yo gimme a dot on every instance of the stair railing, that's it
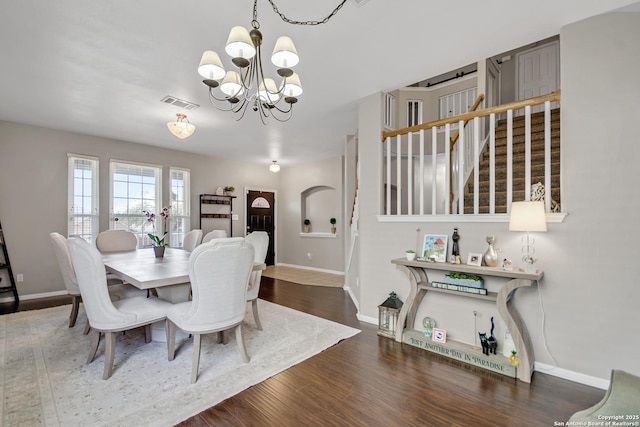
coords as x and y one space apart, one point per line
405 175
454 138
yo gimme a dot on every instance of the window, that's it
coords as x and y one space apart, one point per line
83 197
389 111
414 112
135 188
180 218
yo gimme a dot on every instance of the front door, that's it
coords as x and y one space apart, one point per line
260 217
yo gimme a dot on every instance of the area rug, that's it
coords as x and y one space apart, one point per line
304 276
44 380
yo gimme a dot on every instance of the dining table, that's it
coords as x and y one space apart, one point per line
168 275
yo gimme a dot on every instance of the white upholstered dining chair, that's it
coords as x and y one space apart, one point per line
260 242
106 317
215 234
116 241
61 250
191 240
219 273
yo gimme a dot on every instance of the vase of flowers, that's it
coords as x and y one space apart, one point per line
158 241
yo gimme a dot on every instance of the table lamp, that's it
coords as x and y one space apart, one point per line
528 217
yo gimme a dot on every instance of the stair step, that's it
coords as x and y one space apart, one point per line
501 184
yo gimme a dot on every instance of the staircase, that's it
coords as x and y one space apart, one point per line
537 163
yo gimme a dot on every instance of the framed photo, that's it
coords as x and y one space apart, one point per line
434 248
439 335
474 259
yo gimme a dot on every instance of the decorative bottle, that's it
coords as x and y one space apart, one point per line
490 256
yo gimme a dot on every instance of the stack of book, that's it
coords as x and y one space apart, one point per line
462 282
459 288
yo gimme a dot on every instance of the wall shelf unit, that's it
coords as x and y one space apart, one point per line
421 286
5 265
216 213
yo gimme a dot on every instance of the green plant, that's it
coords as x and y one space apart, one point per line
229 188
410 251
332 221
307 222
464 276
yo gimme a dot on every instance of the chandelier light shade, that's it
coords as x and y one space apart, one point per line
274 167
246 84
181 127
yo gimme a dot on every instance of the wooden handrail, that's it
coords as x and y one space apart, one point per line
552 97
474 107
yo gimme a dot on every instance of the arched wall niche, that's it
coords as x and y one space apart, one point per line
318 204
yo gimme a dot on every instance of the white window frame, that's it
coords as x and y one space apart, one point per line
389 111
414 112
83 197
144 194
180 217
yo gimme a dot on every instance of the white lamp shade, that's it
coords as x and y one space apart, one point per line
275 167
231 85
210 66
180 128
293 87
239 44
268 91
527 216
284 53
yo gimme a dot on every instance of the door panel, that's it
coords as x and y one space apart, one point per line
538 73
260 217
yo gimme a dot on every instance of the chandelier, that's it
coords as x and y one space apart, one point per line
181 127
246 85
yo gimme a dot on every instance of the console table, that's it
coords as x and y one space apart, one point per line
421 285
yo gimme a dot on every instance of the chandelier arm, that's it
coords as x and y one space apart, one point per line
212 97
291 21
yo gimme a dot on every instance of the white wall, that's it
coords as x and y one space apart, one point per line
582 316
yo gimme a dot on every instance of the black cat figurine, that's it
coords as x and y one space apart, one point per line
489 345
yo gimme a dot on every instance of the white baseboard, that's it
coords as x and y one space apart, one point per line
36 296
303 267
571 375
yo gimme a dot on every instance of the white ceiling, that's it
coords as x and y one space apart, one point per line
101 67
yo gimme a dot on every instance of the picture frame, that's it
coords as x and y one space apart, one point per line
439 335
434 248
474 259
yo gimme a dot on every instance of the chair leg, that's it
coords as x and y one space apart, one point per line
196 358
93 345
241 346
75 306
109 354
254 307
87 328
170 328
147 333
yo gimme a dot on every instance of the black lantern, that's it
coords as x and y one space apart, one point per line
388 316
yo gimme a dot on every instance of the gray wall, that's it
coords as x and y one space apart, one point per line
582 316
33 190
326 252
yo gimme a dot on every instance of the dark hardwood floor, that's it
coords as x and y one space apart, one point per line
369 380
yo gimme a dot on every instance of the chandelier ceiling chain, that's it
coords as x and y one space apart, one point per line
248 85
290 21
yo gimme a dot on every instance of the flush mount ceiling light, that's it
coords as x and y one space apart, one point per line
181 127
274 167
247 85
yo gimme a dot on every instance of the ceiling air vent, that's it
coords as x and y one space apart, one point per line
179 102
